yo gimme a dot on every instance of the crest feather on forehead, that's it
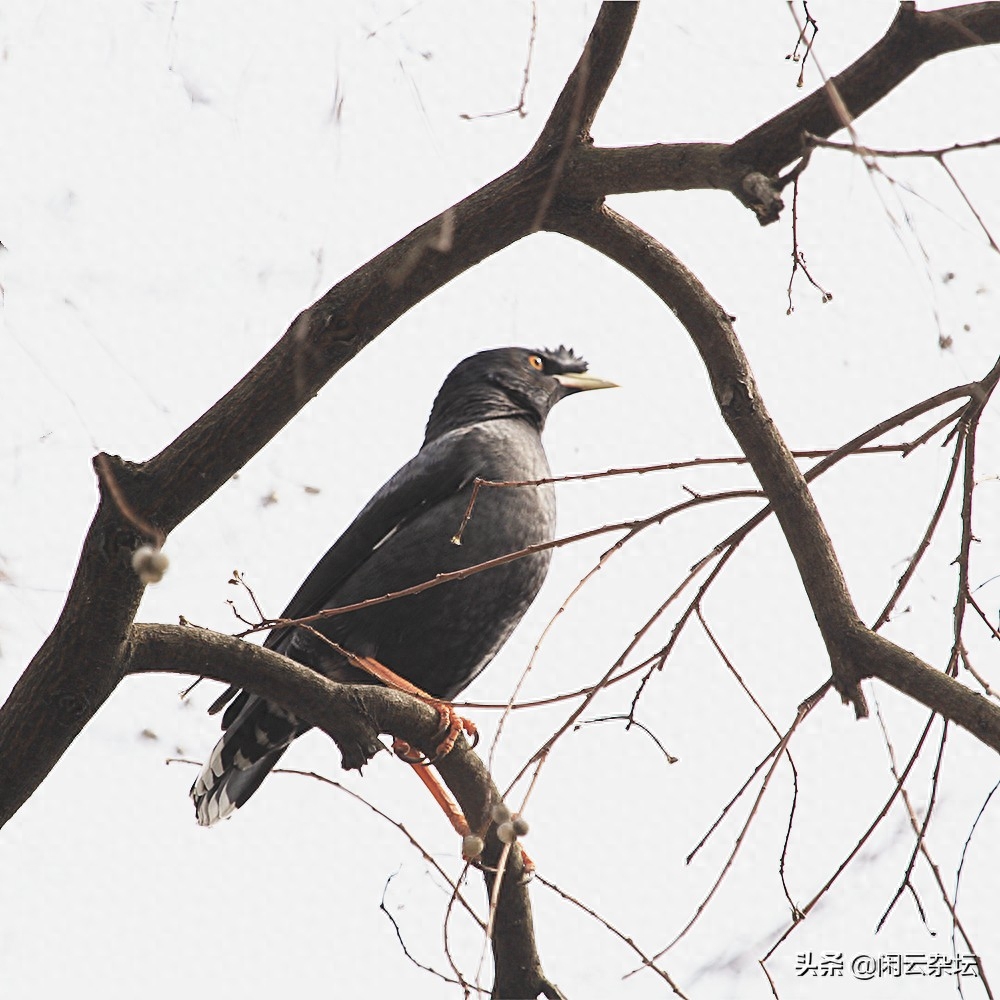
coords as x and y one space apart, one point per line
566 358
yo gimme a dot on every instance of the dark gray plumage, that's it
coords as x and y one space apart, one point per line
486 422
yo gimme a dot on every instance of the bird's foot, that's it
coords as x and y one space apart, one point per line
452 724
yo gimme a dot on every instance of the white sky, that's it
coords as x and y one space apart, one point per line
175 187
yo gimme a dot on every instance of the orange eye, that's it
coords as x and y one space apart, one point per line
536 362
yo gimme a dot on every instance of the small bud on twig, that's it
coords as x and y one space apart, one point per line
472 847
501 814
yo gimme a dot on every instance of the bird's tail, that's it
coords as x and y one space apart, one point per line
257 733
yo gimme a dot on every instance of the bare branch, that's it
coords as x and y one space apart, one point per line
803 711
857 847
913 38
744 412
519 107
855 652
577 104
934 154
646 960
749 167
559 185
353 715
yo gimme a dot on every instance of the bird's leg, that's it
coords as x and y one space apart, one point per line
451 722
451 725
443 798
452 810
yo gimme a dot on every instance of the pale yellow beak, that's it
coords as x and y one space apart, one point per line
580 382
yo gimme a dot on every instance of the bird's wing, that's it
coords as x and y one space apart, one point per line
439 470
257 731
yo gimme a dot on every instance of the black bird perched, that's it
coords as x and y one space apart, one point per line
486 422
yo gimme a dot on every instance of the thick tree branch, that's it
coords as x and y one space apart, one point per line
855 652
79 666
595 171
749 167
907 673
914 38
353 716
573 113
89 650
743 408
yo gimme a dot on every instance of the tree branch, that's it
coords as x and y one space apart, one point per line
748 168
353 716
914 38
855 652
93 644
581 97
79 666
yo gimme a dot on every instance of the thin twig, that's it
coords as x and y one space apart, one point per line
805 910
519 107
794 56
938 155
848 147
798 257
903 448
630 724
646 960
402 943
424 853
925 542
920 829
961 860
802 712
730 666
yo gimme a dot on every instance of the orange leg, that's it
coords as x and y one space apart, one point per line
451 725
451 809
451 722
443 798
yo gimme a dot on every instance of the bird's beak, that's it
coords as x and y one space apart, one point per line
580 382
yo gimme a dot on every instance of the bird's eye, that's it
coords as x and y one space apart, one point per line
536 362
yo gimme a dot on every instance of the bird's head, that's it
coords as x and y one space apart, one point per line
509 382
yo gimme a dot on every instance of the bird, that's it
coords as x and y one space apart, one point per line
485 424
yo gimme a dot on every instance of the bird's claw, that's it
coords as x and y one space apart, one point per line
452 724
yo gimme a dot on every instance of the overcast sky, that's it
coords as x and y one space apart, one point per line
177 181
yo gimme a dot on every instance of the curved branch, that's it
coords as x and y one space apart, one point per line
353 715
746 415
855 652
94 644
914 38
748 168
